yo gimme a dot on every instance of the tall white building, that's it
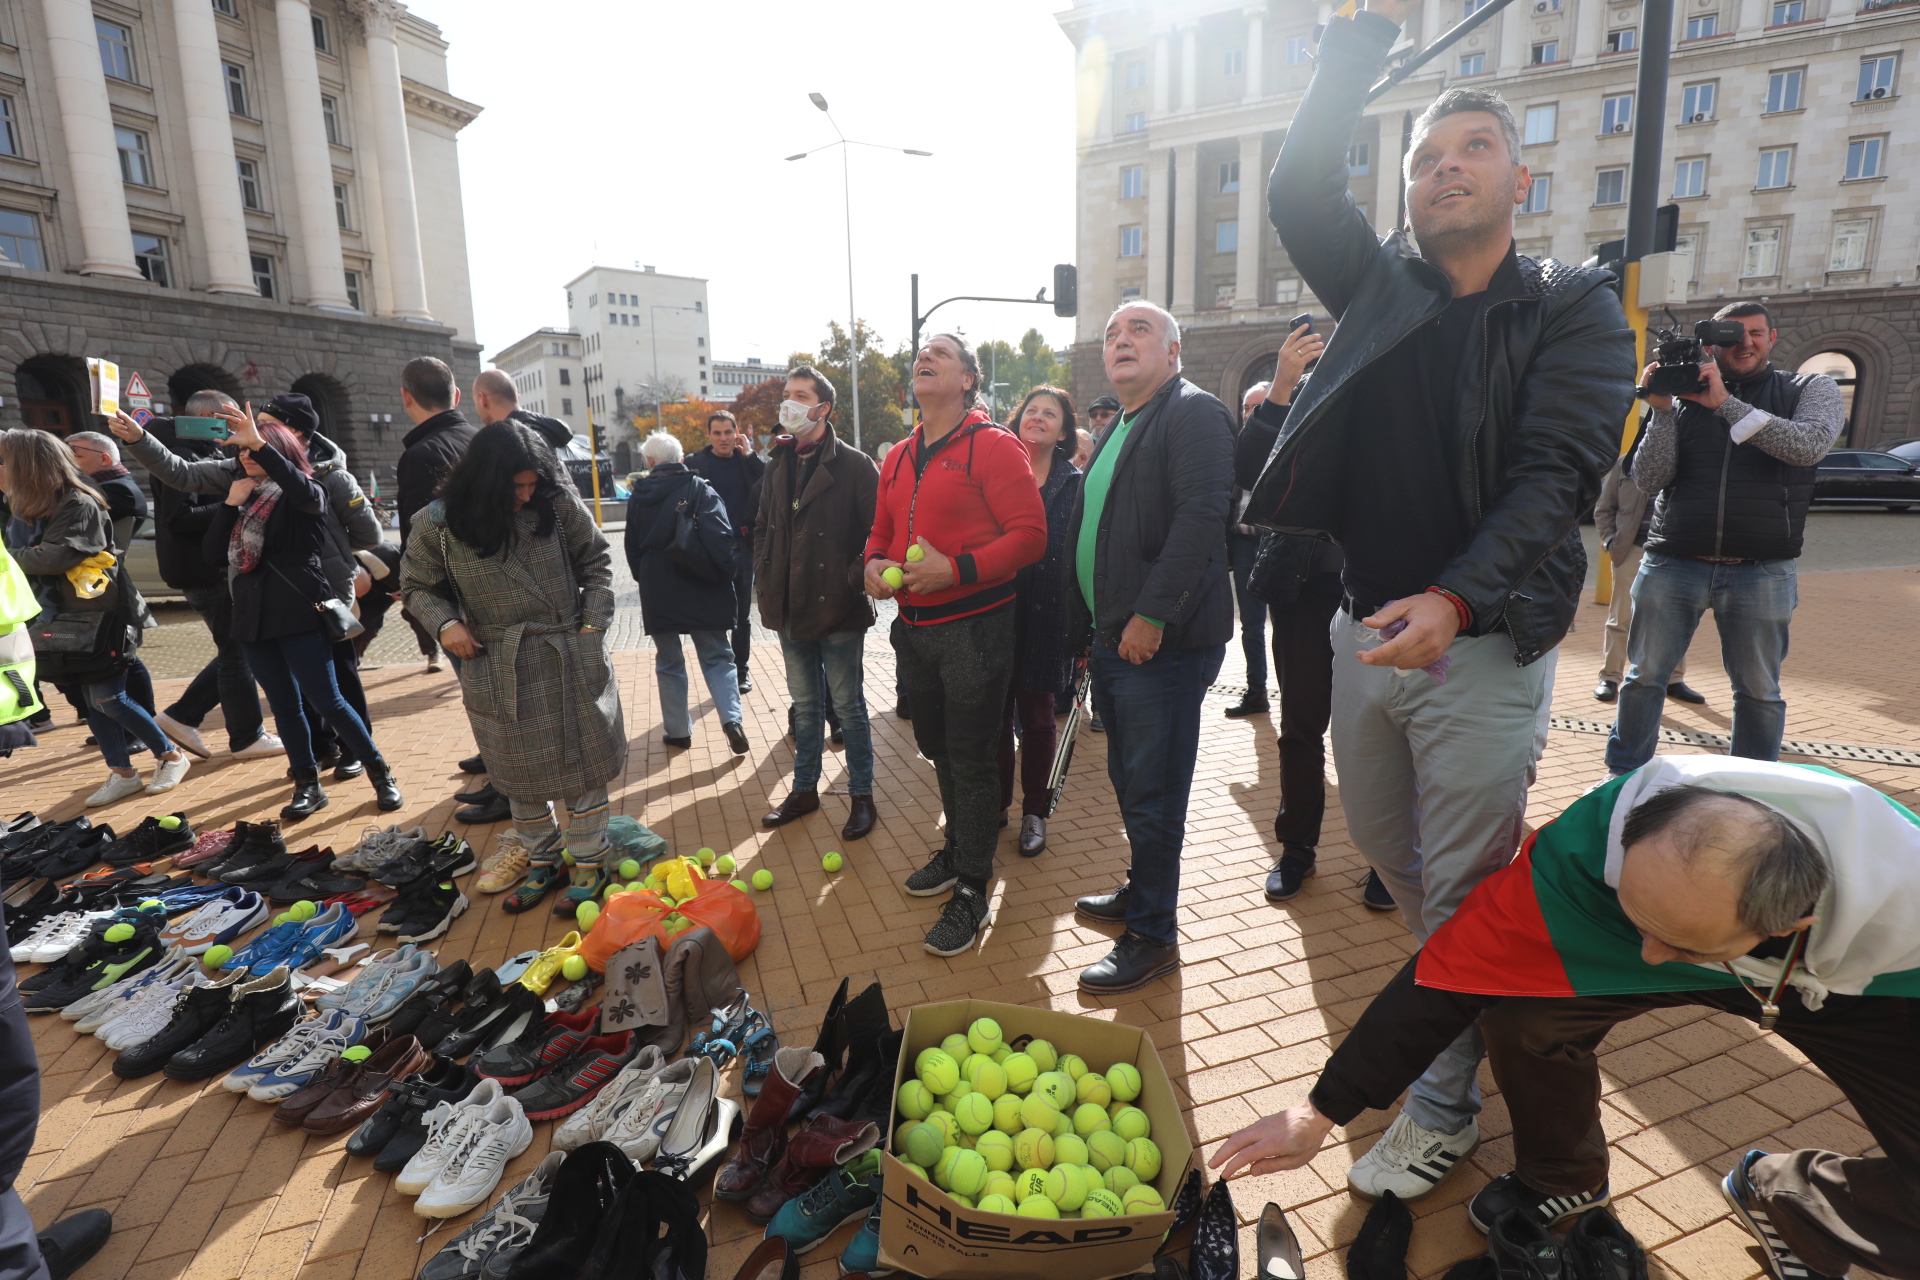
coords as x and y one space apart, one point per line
548 369
731 377
644 337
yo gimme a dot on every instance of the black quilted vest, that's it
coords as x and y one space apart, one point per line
1734 501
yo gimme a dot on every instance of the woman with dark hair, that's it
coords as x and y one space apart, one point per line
1042 667
507 568
60 523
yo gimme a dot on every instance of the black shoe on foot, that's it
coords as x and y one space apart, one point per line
67 1245
961 920
1133 963
901 710
308 796
1105 908
682 743
1680 691
1374 893
1607 691
937 876
498 809
1507 1193
1095 723
386 791
473 764
1252 704
348 770
736 737
1289 875
746 683
860 820
482 794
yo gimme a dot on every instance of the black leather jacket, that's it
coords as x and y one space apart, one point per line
1543 389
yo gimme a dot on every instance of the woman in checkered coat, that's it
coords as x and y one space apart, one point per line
508 569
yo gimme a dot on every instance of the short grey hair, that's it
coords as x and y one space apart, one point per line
208 403
1786 873
1460 99
660 448
104 443
1167 321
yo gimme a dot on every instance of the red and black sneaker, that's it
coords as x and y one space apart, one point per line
574 1082
539 1047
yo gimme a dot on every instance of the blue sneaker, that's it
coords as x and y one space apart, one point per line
267 950
326 1039
843 1195
862 1254
335 924
1750 1211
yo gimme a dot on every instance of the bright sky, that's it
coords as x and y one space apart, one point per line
655 132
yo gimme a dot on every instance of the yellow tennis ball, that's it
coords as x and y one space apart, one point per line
669 902
984 1035
763 879
967 1174
1062 1125
950 1101
305 909
1033 1149
915 1100
1093 1087
119 932
892 576
989 1078
970 1065
1030 1182
956 1047
586 915
629 869
965 1140
1090 1120
916 553
1039 1112
943 1167
1142 1199
1105 1149
999 1183
1132 1123
1021 1072
924 1143
1120 1179
915 1170
1101 1203
1143 1157
939 1072
974 1113
1073 1066
996 1203
1045 1056
1057 1088
1124 1079
1006 1113
947 1124
1067 1187
832 862
1038 1207
722 865
1001 1054
574 968
217 955
741 885
1069 1149
996 1148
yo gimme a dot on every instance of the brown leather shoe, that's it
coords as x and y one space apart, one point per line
798 804
1033 835
860 821
764 1138
360 1093
294 1107
773 1259
816 1150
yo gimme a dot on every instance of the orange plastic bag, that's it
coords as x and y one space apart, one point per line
629 917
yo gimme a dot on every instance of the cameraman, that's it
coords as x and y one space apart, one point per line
1734 470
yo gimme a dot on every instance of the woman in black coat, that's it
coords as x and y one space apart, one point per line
1043 669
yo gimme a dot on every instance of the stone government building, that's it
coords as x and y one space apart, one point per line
1785 150
250 195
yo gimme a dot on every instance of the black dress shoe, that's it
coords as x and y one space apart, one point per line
1252 704
1607 691
308 796
1033 835
348 770
860 820
837 736
1680 691
1379 1251
482 794
746 683
473 764
1289 875
1105 908
798 804
1374 893
1133 963
736 737
499 809
682 743
67 1245
386 791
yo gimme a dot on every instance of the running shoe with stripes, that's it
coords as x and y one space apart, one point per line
374 972
1750 1211
1410 1160
102 1007
377 846
329 1036
1507 1193
217 922
288 1048
573 1083
469 1175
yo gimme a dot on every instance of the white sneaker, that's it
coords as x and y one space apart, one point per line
468 1177
287 1048
184 734
1409 1160
331 1036
147 1017
446 1132
95 1011
638 1130
116 787
590 1122
71 931
169 774
360 990
267 744
22 950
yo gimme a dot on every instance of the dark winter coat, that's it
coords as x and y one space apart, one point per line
430 450
673 601
266 604
807 552
700 460
126 507
1043 660
181 517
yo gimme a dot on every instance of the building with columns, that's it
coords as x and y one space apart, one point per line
1780 150
251 195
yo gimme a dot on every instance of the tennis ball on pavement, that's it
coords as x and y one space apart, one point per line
939 1072
1039 1112
996 1148
1055 1087
945 1122
741 885
975 1114
1101 1203
1033 1149
1124 1079
833 862
217 955
1021 1073
892 576
984 1035
763 879
1030 1182
725 864
915 1100
586 914
916 553
1000 1183
1120 1180
1045 1056
967 1174
1069 1149
1006 1113
924 1143
119 932
1073 1066
1038 1207
943 1167
1093 1087
573 968
989 1079
305 909
956 1047
705 855
1090 1120
1001 1054
1142 1199
1143 1157
170 822
629 869
996 1203
1067 1187
1131 1123
1105 1149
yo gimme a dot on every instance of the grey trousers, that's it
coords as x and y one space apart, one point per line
1433 781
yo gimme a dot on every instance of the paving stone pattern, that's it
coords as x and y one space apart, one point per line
204 1186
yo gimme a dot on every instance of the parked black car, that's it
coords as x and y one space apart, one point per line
1862 476
1909 450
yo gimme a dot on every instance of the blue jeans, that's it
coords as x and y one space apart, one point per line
1752 606
1253 610
299 666
715 652
1152 714
840 657
112 713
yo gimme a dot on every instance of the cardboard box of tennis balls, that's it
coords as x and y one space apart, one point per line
926 1232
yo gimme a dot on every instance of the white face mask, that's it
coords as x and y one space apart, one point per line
793 415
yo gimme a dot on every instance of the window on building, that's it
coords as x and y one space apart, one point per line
1850 236
1610 186
1136 122
320 40
20 241
1229 177
1776 169
249 184
236 88
1616 113
224 6
150 255
1473 64
1136 75
1286 290
1226 237
1297 51
1687 244
1235 63
1542 123
1129 242
330 116
1783 90
1876 77
1539 194
264 275
1359 160
1546 52
1762 258
1788 11
1625 40
136 161
699 305
1696 103
1128 292
340 206
1689 177
566 406
1472 7
9 129
1133 182
1863 158
1223 295
1699 28
116 49
566 377
353 291
700 340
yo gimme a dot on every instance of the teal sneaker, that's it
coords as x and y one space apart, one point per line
862 1254
540 880
843 1195
589 881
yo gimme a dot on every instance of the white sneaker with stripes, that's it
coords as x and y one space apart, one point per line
1410 1160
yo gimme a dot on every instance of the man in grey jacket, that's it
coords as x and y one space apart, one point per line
1621 517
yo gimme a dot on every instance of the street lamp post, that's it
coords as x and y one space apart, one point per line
846 196
653 340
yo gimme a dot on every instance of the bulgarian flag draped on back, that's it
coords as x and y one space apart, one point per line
1550 924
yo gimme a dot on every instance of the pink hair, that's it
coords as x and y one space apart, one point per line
287 445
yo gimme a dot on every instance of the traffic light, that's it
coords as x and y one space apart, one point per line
1066 289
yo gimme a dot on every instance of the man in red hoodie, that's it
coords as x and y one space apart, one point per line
958 515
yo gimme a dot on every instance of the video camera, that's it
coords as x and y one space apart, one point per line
1678 357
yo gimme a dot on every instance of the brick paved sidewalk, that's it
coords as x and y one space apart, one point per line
204 1186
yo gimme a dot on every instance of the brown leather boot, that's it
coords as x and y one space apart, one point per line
798 804
815 1151
764 1140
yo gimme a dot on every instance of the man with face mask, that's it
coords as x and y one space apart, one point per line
729 464
815 508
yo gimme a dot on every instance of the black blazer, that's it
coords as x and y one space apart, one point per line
266 604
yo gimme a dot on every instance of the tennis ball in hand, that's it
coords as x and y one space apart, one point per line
1105 1149
1093 1087
1021 1073
989 1078
924 1143
833 862
573 968
916 553
763 879
1045 1056
1101 1203
967 1174
1143 1158
915 1100
217 955
629 869
1038 1207
996 1148
984 1035
1142 1199
1006 1113
724 864
586 915
1069 1149
892 576
939 1072
1067 1187
1131 1123
994 1203
1033 1149
1124 1079
1121 1180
